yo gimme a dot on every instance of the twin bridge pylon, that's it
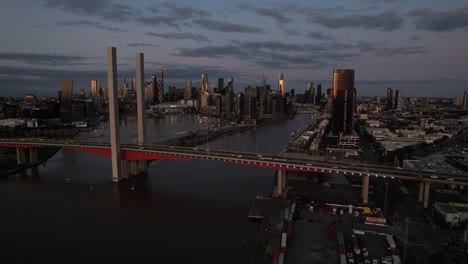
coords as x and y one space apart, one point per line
122 169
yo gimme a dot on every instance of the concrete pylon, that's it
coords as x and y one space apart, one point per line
421 191
20 155
365 189
140 93
427 187
114 125
33 154
279 177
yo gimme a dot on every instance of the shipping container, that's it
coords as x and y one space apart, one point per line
284 238
391 242
281 258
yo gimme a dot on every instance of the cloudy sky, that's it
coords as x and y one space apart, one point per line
419 46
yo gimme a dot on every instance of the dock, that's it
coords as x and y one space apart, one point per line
266 208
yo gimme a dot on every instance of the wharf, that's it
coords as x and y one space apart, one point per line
265 208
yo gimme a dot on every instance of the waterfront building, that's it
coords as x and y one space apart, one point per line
66 101
343 101
160 87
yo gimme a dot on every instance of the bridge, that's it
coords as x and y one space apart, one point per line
133 155
132 158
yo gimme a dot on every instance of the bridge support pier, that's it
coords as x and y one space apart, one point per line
421 191
20 155
143 165
33 156
427 188
280 182
365 189
124 170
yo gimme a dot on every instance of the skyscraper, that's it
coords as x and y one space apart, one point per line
66 101
343 101
397 97
318 97
153 90
281 84
465 101
310 93
389 98
188 90
94 88
204 80
160 87
220 85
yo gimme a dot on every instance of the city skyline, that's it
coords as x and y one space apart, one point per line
418 47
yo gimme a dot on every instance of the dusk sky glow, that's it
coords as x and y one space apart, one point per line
418 46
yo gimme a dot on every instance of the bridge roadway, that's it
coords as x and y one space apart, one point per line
132 151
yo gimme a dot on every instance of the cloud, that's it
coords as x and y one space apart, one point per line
277 54
216 25
95 24
275 13
41 59
78 6
174 35
101 8
172 15
440 21
186 11
159 20
385 51
272 54
386 21
319 35
141 45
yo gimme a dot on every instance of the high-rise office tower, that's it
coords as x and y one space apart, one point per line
204 81
94 88
310 93
153 89
263 84
465 101
220 85
281 84
188 90
133 83
230 86
160 87
389 98
66 101
343 101
318 97
397 98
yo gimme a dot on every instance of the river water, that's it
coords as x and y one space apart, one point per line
182 211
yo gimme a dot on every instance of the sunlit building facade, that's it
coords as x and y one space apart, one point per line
343 101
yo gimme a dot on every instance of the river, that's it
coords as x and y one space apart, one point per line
182 211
